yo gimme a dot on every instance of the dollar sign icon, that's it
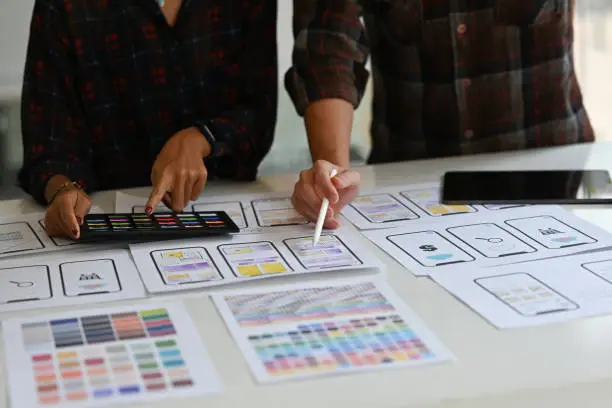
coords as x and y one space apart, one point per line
428 248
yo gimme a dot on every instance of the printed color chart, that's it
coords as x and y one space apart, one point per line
307 304
106 356
309 331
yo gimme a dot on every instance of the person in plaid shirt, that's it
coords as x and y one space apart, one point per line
122 94
450 77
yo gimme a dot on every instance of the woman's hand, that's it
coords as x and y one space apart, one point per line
65 214
179 174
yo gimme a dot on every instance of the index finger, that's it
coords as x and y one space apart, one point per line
159 190
69 221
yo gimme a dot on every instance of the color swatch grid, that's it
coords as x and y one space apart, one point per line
143 222
312 330
90 359
339 345
307 304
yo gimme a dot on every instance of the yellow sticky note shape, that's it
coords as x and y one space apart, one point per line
180 276
438 209
274 267
243 250
249 270
175 254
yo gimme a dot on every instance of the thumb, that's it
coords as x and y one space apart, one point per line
323 184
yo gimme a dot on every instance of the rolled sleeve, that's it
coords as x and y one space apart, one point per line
329 54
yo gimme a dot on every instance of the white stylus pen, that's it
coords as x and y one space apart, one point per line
322 213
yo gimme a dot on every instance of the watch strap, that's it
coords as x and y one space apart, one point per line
206 128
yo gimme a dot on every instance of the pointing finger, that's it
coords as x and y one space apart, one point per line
70 225
159 190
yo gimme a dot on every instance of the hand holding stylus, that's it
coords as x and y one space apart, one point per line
322 213
315 184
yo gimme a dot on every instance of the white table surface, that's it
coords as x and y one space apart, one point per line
562 365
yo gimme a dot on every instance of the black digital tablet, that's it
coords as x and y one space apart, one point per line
527 187
142 227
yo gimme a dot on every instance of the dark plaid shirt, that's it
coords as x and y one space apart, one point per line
108 82
450 76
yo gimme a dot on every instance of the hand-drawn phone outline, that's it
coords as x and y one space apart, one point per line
405 195
472 259
42 224
560 222
491 257
323 235
242 210
584 266
161 275
47 270
42 245
259 221
576 306
229 265
353 206
92 293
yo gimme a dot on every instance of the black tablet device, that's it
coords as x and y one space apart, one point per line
142 227
527 187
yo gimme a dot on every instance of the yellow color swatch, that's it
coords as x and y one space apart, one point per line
249 270
243 250
438 209
274 267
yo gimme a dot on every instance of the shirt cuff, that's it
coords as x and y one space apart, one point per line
33 179
234 157
307 87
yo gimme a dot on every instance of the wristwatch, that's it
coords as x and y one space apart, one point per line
206 128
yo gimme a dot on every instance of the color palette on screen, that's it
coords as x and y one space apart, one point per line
340 345
104 356
176 224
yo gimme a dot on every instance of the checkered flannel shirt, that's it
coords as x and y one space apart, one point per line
450 76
